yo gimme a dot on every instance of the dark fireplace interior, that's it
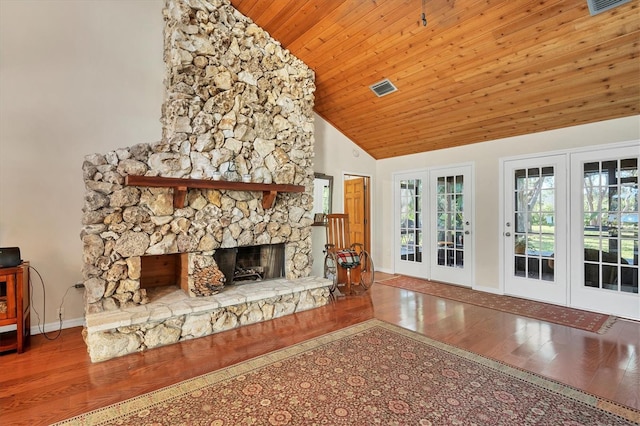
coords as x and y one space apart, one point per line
251 263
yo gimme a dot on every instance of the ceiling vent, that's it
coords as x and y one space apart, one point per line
599 6
383 87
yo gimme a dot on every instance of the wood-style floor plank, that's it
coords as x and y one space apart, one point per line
54 380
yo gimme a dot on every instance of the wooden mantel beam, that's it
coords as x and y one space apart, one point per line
180 187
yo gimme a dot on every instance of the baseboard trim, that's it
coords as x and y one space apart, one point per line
491 290
55 326
49 327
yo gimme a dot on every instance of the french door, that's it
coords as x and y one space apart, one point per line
570 230
410 208
534 229
433 216
604 234
450 237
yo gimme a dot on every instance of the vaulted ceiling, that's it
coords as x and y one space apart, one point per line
479 70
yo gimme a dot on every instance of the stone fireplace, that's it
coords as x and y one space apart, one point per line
156 257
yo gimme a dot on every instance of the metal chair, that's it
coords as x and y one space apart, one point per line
345 263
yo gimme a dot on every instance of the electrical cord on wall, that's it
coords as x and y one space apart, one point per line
44 305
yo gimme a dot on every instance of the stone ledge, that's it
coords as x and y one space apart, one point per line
172 316
174 302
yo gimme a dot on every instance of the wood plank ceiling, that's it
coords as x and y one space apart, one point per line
480 70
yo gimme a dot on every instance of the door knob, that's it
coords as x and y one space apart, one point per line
467 232
507 234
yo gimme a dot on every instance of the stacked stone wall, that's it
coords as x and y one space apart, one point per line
236 102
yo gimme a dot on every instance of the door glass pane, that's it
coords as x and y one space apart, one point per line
534 223
610 214
411 220
449 226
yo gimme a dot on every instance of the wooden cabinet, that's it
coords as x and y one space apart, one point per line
14 307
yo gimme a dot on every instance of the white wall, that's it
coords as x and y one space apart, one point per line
485 157
335 156
76 77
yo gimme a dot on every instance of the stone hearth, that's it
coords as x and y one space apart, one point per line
237 105
173 316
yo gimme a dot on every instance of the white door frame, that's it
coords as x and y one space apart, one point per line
594 299
416 269
535 288
633 144
464 276
371 193
424 269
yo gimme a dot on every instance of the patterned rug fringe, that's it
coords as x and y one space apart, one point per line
607 324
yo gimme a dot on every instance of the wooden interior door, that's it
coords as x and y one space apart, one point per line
356 205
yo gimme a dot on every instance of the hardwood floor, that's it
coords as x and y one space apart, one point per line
54 380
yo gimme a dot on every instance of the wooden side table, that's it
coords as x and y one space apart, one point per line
14 307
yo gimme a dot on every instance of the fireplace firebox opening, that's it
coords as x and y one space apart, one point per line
251 263
238 265
164 270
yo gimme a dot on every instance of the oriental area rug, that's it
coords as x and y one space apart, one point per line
369 373
576 318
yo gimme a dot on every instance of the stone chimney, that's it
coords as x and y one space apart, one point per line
236 103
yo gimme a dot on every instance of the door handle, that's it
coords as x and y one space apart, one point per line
507 234
467 232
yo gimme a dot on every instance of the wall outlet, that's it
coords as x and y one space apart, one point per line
60 312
